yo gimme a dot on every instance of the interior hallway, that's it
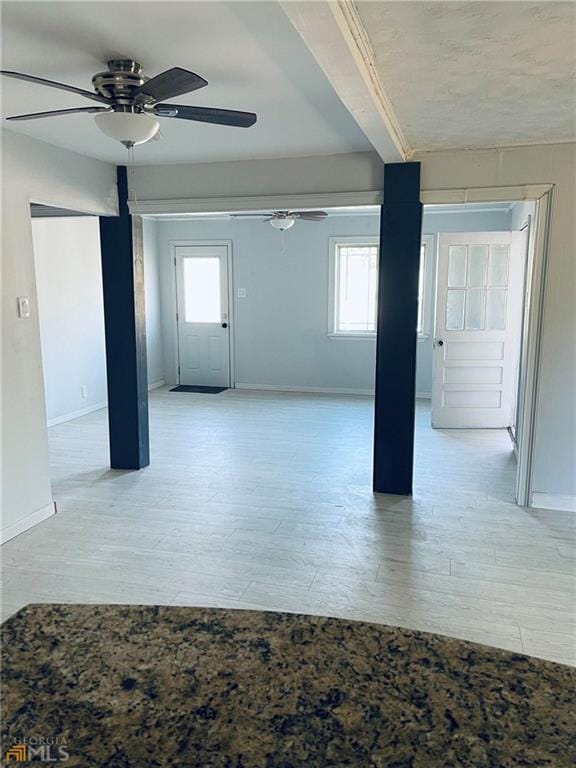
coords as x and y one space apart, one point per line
262 500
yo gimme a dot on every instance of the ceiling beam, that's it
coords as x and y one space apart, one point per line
336 37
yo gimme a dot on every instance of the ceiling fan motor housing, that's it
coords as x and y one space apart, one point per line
119 82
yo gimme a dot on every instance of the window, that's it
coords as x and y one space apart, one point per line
425 287
202 289
354 286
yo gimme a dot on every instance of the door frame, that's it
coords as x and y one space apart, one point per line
173 244
531 336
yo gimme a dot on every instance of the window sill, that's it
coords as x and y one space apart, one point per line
357 336
368 336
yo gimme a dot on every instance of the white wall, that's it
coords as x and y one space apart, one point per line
280 328
33 171
554 458
71 315
154 351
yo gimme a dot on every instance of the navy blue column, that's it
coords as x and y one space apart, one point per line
400 239
125 328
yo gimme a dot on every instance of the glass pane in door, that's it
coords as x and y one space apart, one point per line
455 310
475 300
202 289
496 309
477 258
498 270
457 266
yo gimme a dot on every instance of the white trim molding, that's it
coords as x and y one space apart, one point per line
156 384
247 204
484 194
555 501
29 521
309 390
76 414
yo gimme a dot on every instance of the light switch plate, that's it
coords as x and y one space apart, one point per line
23 306
241 293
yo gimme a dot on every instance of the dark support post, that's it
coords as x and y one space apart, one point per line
125 329
400 240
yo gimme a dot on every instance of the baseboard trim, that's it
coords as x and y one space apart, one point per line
76 414
423 395
309 390
554 501
156 384
29 521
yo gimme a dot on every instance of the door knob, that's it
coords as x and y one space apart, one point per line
440 343
224 325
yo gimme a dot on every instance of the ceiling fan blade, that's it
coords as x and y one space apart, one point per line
310 215
247 215
56 112
206 115
167 85
54 84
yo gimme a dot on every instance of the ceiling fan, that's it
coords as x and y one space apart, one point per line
129 102
283 219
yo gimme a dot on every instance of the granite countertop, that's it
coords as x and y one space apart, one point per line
155 686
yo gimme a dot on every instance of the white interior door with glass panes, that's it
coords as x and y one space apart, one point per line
478 293
202 315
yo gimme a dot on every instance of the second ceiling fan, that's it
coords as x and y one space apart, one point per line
283 220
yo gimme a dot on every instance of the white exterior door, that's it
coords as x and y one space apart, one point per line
202 315
478 296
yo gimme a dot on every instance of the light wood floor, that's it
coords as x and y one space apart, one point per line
262 500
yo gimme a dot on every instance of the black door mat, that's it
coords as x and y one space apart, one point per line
202 390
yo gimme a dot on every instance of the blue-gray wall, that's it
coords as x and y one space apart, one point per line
280 328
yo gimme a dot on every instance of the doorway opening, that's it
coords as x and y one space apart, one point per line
282 339
71 319
481 255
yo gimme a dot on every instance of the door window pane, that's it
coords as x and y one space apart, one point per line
475 300
498 269
496 309
455 310
456 266
477 258
202 289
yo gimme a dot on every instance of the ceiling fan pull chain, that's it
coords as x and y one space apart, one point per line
132 185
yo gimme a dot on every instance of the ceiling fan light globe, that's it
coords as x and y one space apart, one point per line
127 127
283 223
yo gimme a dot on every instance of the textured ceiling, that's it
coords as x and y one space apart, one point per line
249 52
473 74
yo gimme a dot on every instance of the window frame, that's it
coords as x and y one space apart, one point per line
333 282
427 272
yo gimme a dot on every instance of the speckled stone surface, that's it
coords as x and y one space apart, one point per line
197 687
